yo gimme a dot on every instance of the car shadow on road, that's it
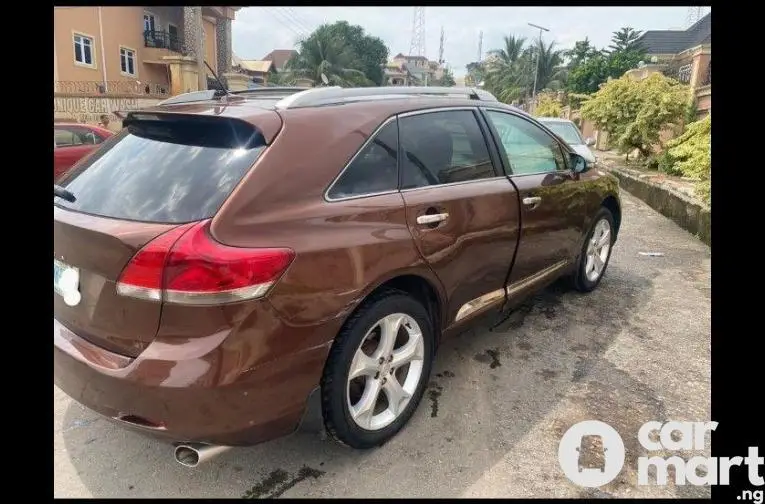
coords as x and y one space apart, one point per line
488 390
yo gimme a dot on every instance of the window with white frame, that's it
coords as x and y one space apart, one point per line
83 49
127 61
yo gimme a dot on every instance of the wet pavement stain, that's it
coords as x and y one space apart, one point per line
446 374
524 345
279 481
490 356
548 374
434 392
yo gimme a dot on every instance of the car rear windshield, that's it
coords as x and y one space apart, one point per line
166 170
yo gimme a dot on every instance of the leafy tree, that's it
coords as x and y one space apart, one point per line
550 72
626 39
690 155
372 53
582 51
548 106
634 112
589 68
447 80
475 71
323 53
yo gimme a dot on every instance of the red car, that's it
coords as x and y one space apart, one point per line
72 141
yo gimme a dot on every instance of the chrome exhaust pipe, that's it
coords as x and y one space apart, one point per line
193 454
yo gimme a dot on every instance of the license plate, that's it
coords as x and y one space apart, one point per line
66 282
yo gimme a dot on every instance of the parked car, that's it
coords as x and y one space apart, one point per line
230 268
72 141
569 132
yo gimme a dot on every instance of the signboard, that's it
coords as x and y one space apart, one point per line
90 109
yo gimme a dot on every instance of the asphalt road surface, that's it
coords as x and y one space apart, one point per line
636 349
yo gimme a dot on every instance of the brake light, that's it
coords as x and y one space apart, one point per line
186 266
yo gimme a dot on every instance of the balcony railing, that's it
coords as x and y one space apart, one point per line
135 89
680 72
163 40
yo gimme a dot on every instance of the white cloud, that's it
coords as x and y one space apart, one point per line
259 30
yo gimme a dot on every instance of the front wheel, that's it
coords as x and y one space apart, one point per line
377 370
595 253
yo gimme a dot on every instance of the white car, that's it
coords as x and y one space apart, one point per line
568 131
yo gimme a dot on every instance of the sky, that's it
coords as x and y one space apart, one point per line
259 30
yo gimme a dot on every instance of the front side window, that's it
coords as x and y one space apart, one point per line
374 169
83 50
529 149
442 148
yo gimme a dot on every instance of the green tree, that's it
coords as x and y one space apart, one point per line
447 80
582 51
550 72
635 112
589 68
323 53
372 53
547 106
690 154
625 39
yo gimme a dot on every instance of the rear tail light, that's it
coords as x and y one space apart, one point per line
186 266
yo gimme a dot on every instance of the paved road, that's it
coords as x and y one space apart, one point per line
637 349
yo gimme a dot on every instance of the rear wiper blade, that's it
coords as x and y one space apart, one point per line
62 193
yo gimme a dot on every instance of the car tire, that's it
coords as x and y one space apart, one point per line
582 278
341 413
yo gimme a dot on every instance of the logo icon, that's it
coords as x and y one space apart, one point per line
591 453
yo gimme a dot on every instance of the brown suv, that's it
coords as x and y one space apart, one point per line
226 262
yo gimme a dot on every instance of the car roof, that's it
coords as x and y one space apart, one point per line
252 107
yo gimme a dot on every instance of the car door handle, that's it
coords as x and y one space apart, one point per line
532 201
432 218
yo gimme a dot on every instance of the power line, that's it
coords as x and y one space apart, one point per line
292 17
282 22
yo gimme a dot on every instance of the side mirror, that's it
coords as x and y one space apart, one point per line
589 141
578 163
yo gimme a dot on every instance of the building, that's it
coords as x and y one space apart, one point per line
130 50
258 71
280 57
685 55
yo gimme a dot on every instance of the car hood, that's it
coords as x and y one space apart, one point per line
585 152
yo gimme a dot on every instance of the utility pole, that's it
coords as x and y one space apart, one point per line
539 51
441 48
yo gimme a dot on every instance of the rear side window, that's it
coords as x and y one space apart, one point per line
443 147
374 169
169 171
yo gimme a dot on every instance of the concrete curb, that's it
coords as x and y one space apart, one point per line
686 212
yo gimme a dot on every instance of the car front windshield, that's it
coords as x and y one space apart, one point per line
566 131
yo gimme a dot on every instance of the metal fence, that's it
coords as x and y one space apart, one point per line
708 76
679 72
112 88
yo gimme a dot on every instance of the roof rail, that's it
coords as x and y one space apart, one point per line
194 96
270 90
329 95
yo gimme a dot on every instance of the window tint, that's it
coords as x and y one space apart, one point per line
529 148
566 131
168 171
443 147
374 169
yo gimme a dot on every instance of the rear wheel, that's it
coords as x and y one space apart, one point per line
377 370
596 252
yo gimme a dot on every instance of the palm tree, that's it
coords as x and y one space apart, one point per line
507 70
550 71
321 54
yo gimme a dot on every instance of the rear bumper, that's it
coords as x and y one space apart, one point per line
179 391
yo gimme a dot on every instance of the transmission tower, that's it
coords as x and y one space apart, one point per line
480 46
417 47
441 48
